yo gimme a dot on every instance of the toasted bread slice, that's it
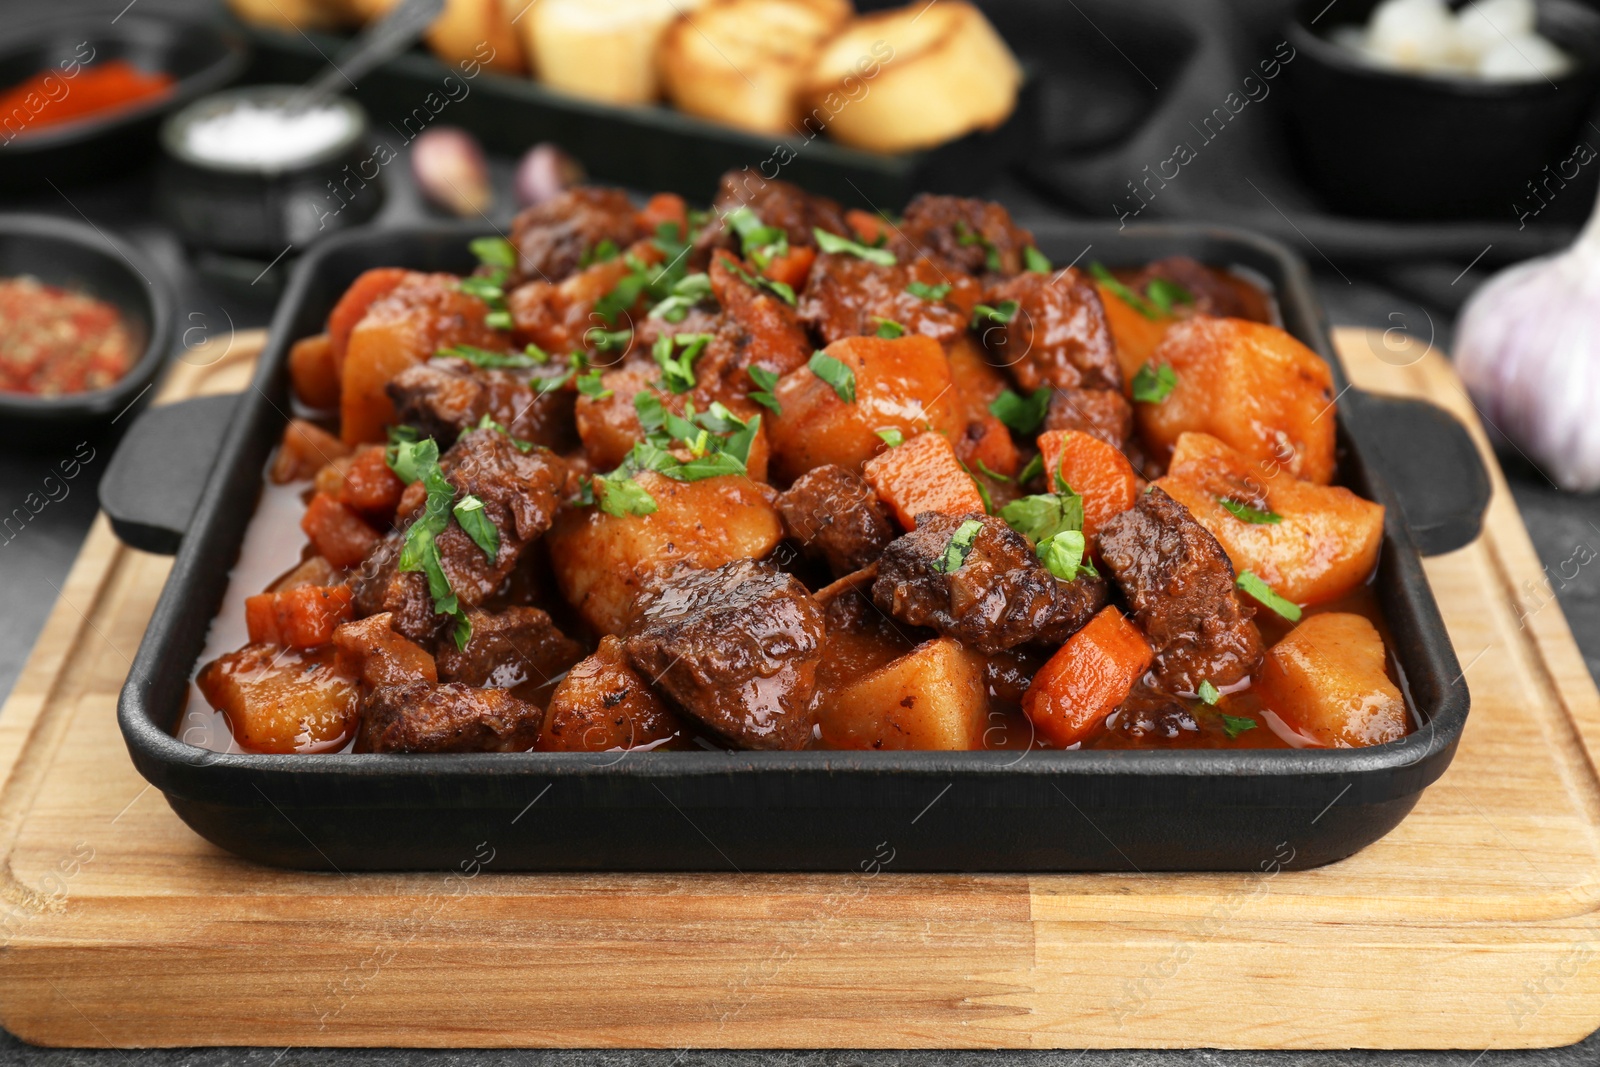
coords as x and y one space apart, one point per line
480 31
913 77
743 62
599 49
295 14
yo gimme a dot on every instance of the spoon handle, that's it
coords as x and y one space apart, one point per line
396 31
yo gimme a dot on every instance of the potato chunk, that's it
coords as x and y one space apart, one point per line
603 704
1327 680
933 697
282 699
902 384
1250 385
1325 542
602 561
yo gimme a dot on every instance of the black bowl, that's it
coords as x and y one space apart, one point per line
80 257
1388 144
200 57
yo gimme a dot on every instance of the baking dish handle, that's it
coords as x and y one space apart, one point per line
1432 465
153 482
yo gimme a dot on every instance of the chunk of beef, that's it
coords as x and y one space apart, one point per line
1215 292
776 203
555 238
756 328
603 704
848 297
447 717
999 597
1102 413
1179 582
1057 336
520 492
1151 715
372 650
443 397
507 649
737 647
561 318
958 234
836 517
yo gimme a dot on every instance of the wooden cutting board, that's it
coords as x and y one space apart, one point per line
1473 924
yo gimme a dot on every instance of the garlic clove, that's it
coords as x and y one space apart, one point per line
1528 349
452 171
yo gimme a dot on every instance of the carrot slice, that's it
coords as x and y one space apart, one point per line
793 268
352 306
304 617
1087 678
869 227
339 534
314 373
370 487
665 207
1095 470
922 475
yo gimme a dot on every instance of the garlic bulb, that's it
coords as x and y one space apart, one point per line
1528 349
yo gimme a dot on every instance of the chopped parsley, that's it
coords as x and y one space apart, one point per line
1063 556
603 252
1165 294
888 329
891 436
677 371
488 423
418 461
685 294
1261 591
603 340
782 290
983 490
1162 294
618 494
494 252
470 515
959 548
1154 383
759 243
835 373
718 442
832 242
996 475
1208 693
765 381
1034 468
1245 513
1236 725
589 385
924 291
1000 314
1022 413
1042 516
1036 261
656 283
965 235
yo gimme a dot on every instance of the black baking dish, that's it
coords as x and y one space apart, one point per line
1092 810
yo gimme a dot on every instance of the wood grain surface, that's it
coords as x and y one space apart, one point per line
1473 924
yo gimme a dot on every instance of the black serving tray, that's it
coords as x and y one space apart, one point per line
680 152
1092 810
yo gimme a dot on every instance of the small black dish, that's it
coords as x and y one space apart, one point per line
200 57
259 209
1386 144
77 256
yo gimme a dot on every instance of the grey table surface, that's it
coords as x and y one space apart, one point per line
34 565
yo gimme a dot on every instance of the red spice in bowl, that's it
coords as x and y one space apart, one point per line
54 341
53 99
